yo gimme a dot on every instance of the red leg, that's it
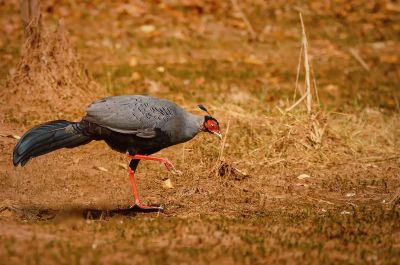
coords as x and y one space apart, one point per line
138 203
165 161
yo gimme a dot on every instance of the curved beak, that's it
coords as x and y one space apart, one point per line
218 134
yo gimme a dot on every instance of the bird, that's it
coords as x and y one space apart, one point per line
136 125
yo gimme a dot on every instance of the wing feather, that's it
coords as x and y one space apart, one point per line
135 114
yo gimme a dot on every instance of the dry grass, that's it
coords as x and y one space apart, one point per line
49 74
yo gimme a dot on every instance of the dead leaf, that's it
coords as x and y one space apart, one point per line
147 28
167 184
304 176
123 165
331 88
135 76
10 136
227 170
133 61
161 69
101 168
252 59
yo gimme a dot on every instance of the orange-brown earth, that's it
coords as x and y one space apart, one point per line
292 188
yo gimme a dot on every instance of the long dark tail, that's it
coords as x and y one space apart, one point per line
48 137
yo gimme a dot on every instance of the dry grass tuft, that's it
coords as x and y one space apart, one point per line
50 74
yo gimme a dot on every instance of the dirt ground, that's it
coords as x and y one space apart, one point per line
285 188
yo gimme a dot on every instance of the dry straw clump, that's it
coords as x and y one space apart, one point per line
49 81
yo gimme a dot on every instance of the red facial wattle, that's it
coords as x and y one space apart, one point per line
213 127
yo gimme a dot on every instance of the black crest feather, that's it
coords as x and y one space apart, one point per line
201 106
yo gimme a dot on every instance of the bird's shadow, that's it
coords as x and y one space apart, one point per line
37 213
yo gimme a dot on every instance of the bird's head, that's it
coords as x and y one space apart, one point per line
210 124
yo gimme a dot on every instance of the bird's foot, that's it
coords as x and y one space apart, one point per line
171 167
144 208
168 164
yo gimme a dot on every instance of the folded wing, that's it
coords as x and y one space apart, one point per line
139 115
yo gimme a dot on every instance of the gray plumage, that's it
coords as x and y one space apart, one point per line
142 115
135 124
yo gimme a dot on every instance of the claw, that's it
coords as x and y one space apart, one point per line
169 165
145 208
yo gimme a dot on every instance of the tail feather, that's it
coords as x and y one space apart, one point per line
45 148
46 138
41 138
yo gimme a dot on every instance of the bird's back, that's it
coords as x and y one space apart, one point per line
144 120
132 114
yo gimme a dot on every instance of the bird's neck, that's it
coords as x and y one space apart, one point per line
195 122
193 125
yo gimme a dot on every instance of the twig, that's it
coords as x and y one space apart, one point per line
298 73
377 159
30 15
306 66
221 150
297 103
253 35
315 85
358 58
307 95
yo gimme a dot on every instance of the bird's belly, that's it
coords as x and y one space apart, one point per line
123 142
136 145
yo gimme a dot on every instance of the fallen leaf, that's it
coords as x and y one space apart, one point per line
304 176
11 136
331 88
252 59
123 165
228 170
167 184
101 168
135 76
133 61
148 28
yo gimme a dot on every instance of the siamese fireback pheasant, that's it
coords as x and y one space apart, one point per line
137 125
